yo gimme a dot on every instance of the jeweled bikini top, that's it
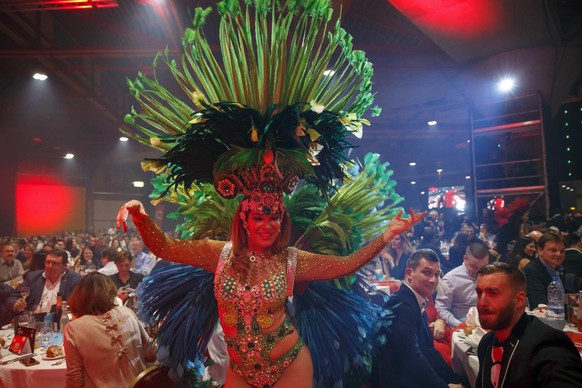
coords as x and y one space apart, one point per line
245 304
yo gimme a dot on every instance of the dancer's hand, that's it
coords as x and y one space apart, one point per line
132 207
399 224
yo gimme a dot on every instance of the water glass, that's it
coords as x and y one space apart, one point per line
24 319
47 335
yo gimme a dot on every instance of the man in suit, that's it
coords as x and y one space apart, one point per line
573 252
44 285
408 358
540 271
520 350
10 268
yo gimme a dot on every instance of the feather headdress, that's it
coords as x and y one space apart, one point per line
285 87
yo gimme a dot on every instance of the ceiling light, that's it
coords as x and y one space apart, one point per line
40 76
422 193
69 156
413 183
506 84
123 138
329 73
439 170
467 177
412 164
137 183
432 122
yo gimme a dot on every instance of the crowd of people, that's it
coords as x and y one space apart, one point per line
469 272
95 275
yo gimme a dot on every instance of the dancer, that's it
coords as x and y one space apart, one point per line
254 273
268 122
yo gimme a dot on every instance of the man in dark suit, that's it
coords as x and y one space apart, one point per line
521 350
573 263
408 358
540 271
44 285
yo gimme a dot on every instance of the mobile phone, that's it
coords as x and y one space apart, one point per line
29 361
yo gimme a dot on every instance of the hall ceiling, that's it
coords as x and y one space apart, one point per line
432 59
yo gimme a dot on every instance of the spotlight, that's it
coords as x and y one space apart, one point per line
412 164
432 122
467 177
413 183
329 73
439 170
69 156
123 138
40 76
137 183
506 84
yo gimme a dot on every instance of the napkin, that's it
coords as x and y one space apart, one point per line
473 320
473 317
475 337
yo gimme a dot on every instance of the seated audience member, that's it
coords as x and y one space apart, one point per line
10 268
44 285
125 277
7 309
27 257
108 266
37 262
85 258
486 237
105 345
143 262
458 249
523 252
428 241
394 256
408 358
520 350
573 259
535 235
458 295
540 272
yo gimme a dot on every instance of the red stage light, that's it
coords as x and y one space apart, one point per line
43 206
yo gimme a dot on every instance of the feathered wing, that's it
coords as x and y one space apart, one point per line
336 319
179 301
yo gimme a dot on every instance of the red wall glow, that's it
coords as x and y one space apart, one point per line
43 205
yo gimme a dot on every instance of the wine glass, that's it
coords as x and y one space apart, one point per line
24 292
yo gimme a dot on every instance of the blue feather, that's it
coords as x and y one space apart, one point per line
340 330
180 299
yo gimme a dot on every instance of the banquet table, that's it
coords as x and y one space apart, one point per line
46 374
464 357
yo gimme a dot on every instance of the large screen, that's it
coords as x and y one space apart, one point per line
447 197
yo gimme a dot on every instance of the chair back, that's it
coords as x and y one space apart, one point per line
153 377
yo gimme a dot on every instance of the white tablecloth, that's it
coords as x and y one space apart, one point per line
45 374
465 360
